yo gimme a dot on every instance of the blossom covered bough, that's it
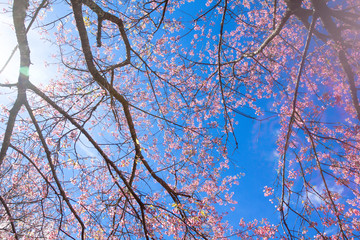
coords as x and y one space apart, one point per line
130 138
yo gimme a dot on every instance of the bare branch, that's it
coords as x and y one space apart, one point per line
292 118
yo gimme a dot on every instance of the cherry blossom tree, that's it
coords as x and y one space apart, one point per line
130 139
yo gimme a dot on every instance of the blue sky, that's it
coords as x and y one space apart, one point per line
257 158
256 155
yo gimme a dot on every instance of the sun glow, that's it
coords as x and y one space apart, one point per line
9 73
39 53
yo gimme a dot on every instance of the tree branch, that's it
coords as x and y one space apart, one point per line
292 118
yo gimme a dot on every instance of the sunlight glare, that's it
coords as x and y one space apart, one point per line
39 73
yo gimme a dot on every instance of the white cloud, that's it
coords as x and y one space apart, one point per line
314 197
